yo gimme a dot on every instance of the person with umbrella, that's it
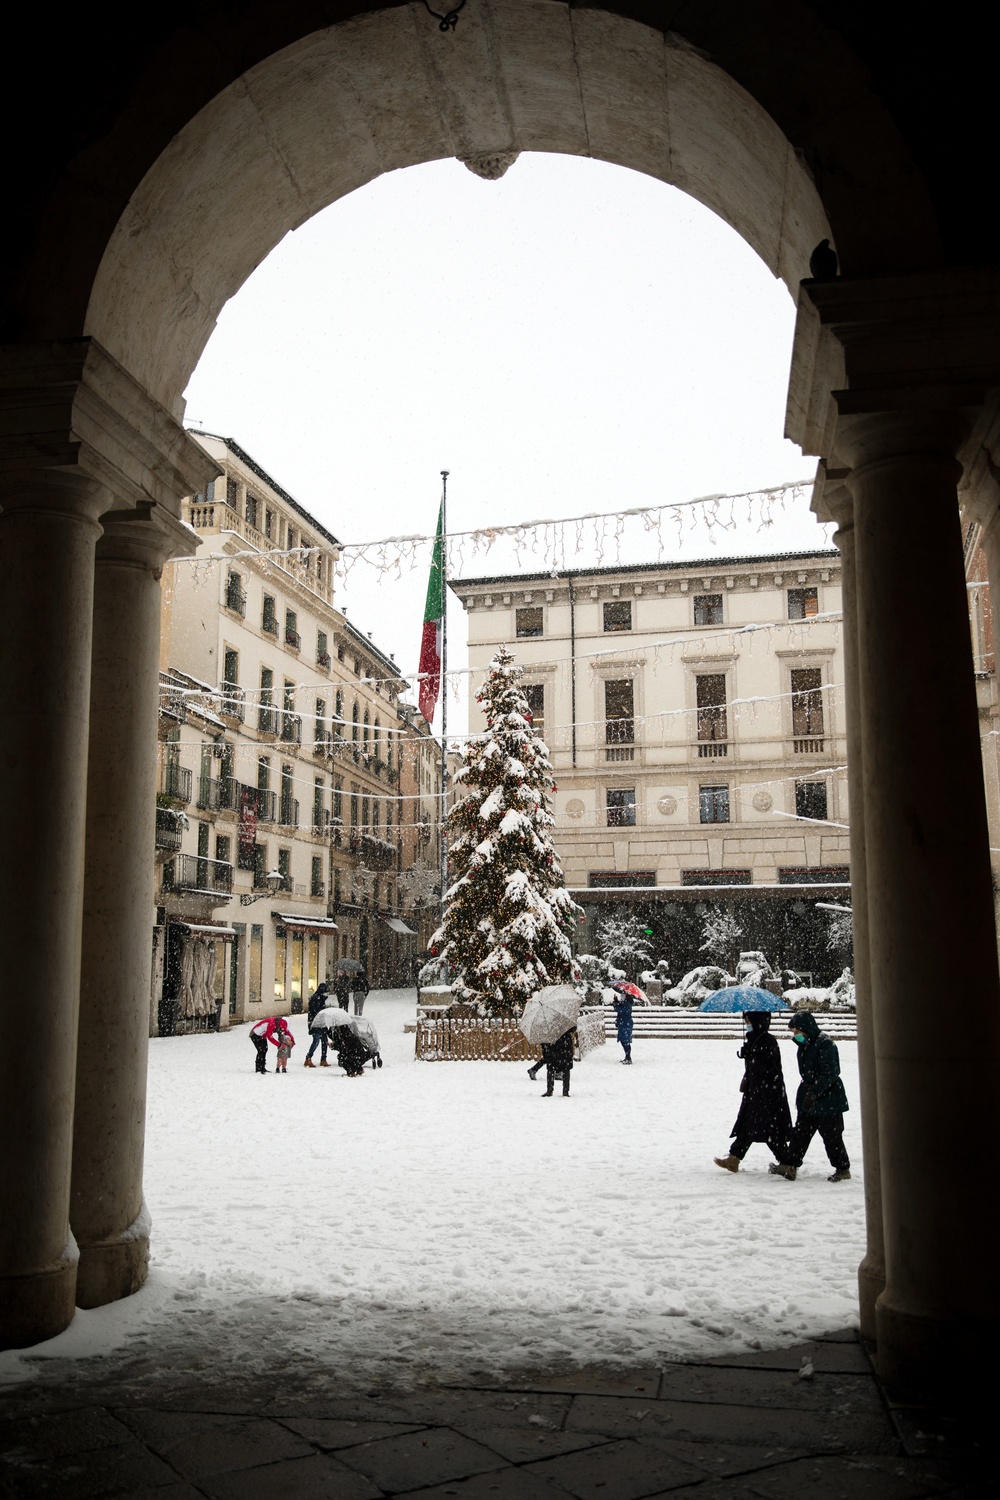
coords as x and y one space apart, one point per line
625 996
764 1112
318 1000
549 1019
820 1102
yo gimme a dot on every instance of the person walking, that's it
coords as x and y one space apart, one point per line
318 1000
557 1059
820 1102
267 1030
764 1114
342 988
359 989
623 1021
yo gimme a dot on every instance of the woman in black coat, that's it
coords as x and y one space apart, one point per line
764 1112
557 1059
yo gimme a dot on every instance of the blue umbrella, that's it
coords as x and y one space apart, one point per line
740 997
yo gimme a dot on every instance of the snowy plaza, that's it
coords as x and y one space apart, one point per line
442 1219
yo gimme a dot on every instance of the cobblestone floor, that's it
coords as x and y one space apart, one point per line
809 1421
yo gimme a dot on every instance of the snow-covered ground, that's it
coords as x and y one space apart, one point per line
443 1217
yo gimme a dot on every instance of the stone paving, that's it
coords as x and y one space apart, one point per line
808 1421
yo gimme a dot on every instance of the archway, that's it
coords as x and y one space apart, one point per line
139 247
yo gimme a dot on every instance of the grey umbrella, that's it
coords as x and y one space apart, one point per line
349 965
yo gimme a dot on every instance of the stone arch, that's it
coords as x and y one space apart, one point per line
337 107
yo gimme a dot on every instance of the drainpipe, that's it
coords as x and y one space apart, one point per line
572 663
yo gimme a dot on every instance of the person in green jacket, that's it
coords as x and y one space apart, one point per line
820 1102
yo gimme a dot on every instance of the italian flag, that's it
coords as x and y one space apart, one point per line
430 644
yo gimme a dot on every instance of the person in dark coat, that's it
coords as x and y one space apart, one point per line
318 1000
342 988
558 1059
820 1102
352 1054
359 989
623 1023
764 1112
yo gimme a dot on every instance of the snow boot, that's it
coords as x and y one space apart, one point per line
532 1074
308 1063
324 1064
547 1094
626 1062
842 1174
781 1169
730 1163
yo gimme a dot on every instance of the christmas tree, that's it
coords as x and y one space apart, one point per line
508 916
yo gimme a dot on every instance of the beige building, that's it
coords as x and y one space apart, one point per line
278 818
694 714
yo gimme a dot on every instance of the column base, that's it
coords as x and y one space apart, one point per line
36 1307
871 1285
111 1271
934 1361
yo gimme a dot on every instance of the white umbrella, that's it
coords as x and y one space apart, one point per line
550 1012
331 1015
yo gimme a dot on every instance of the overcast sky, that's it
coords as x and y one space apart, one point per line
576 337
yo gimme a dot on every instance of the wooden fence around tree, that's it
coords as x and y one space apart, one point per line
488 1039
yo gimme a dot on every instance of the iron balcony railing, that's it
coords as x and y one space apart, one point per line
291 728
193 872
209 793
232 701
169 828
177 781
267 719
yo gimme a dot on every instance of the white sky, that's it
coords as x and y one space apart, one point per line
576 337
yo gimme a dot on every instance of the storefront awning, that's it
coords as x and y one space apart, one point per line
399 926
305 924
200 929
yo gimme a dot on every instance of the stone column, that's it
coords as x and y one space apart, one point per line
935 985
107 1211
871 1272
48 530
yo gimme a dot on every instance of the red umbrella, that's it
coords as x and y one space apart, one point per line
624 988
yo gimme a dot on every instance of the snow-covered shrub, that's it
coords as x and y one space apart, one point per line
842 991
807 999
754 969
596 972
697 985
622 940
720 935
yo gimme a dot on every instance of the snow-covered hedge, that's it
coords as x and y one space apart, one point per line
697 985
839 996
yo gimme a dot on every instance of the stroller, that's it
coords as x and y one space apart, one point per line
368 1037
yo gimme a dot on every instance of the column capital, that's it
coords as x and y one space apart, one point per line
68 407
146 537
831 499
925 341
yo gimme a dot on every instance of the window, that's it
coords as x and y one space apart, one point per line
365 813
256 962
619 714
338 799
289 810
231 667
716 877
807 703
339 709
614 880
318 798
825 875
376 817
292 637
618 615
269 523
253 510
710 693
260 866
803 604
222 848
267 722
621 807
367 728
236 599
355 719
285 868
708 609
269 617
535 694
340 651
292 540
810 799
280 951
354 808
316 880
232 493
714 804
210 491
528 622
263 773
322 654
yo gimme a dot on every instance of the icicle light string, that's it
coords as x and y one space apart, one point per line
322 687
546 537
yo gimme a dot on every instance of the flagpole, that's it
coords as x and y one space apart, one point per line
444 687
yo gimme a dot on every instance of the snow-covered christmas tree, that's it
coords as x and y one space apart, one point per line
508 916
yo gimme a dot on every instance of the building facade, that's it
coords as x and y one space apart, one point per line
278 820
694 715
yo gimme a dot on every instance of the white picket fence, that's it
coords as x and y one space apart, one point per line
670 1022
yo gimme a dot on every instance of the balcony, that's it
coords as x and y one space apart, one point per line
236 599
619 737
291 728
264 803
177 781
293 639
712 749
267 719
191 872
289 812
376 853
269 625
209 793
323 660
323 744
170 826
318 888
619 752
232 702
809 745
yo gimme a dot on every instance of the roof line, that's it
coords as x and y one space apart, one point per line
262 473
707 563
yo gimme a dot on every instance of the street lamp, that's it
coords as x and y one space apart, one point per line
274 880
